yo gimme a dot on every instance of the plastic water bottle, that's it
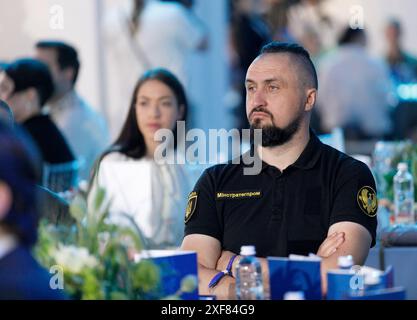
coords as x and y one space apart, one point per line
249 285
404 195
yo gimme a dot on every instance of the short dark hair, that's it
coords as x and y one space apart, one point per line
350 35
20 170
5 109
295 50
31 73
2 65
67 55
394 22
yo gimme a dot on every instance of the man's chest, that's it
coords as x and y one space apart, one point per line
278 214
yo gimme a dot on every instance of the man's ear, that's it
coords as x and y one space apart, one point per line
31 94
311 99
5 200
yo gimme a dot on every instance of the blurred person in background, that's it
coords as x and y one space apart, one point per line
355 90
276 16
249 32
403 66
403 69
149 192
26 85
84 128
21 277
141 35
313 27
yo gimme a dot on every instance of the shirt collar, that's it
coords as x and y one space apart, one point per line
308 158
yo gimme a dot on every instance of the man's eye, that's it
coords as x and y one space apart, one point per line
250 89
273 88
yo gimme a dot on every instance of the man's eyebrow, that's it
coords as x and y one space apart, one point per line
277 79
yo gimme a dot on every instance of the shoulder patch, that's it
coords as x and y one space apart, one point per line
191 205
367 201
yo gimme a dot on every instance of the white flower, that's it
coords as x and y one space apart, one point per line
74 259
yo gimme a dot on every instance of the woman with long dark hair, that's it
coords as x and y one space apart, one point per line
152 193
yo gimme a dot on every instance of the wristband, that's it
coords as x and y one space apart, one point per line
223 273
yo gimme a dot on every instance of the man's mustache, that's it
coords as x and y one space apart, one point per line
261 109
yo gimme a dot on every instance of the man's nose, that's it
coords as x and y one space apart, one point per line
258 99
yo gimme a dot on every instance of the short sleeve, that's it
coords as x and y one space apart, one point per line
355 197
201 213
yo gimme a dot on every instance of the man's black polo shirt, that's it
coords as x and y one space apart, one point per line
283 212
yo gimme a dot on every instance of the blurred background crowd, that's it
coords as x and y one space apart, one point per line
75 74
364 47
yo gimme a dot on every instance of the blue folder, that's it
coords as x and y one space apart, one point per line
294 275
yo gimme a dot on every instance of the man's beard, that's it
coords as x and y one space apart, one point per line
273 136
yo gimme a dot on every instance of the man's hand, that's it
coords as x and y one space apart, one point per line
357 241
331 244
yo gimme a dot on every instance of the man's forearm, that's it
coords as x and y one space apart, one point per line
356 243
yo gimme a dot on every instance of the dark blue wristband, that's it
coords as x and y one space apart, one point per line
223 273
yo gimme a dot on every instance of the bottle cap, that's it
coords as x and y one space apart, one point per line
294 295
372 278
345 261
402 166
247 250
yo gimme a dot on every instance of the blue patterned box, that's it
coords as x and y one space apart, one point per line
175 266
351 284
286 274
